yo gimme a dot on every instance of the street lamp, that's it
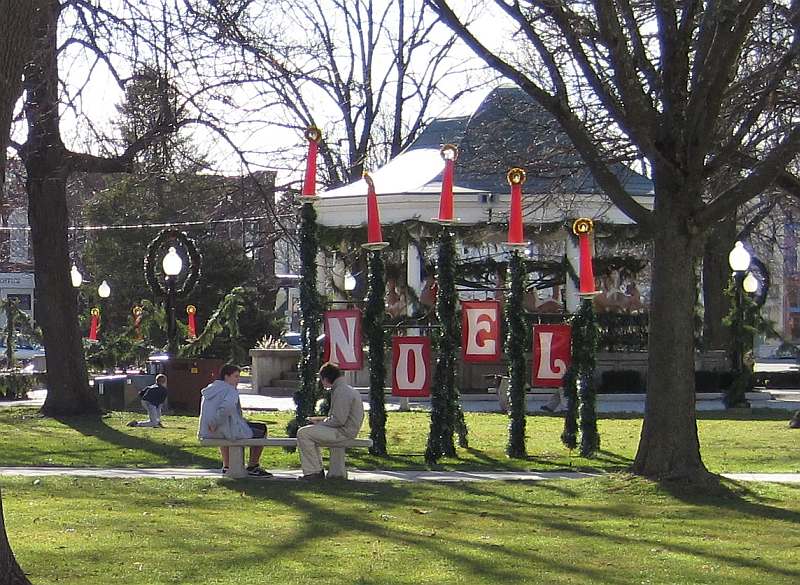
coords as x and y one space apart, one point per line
172 285
104 290
76 276
172 265
739 261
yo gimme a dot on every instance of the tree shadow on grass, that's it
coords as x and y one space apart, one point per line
96 426
727 494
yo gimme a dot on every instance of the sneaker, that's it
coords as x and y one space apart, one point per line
313 476
133 423
257 471
224 470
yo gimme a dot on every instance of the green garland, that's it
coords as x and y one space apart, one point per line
579 389
373 326
311 317
570 435
515 350
446 414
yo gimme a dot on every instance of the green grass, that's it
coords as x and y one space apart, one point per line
614 529
758 441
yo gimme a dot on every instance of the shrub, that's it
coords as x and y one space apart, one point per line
621 382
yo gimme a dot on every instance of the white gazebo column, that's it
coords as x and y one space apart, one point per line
571 289
414 282
322 274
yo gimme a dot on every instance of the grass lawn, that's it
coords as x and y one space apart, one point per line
758 441
615 529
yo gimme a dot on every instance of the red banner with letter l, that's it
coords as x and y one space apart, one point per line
551 354
480 331
411 366
343 338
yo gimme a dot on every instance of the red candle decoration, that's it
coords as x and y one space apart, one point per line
313 135
582 228
374 235
94 324
516 178
449 153
190 312
137 321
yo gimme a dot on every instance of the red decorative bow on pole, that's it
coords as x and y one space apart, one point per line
94 325
313 135
582 228
516 178
190 311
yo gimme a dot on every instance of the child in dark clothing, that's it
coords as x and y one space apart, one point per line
153 398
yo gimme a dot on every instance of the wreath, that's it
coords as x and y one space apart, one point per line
151 258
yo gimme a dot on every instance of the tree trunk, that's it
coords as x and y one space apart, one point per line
47 166
10 571
716 274
668 445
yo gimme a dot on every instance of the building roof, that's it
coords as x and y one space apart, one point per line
508 129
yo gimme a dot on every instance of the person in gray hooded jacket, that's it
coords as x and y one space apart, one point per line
221 418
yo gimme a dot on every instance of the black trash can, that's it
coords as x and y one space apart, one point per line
110 391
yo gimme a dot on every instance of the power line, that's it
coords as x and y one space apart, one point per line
154 225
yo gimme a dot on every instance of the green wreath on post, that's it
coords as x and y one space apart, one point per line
155 247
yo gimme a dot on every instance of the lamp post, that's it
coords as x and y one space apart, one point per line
76 276
171 287
104 291
739 261
172 265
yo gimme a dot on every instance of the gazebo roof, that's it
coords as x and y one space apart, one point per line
508 129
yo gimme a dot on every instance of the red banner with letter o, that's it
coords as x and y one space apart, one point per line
411 366
343 338
480 331
551 354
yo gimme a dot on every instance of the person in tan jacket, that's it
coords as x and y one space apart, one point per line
342 424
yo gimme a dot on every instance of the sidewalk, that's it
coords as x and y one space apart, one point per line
354 474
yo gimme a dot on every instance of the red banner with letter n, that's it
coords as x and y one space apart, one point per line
480 331
411 366
551 354
343 338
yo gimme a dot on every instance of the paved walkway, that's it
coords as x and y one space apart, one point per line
355 474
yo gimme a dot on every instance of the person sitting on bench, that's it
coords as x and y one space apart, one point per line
342 424
221 418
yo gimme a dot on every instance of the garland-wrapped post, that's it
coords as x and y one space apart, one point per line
310 320
570 435
584 346
446 414
373 326
515 350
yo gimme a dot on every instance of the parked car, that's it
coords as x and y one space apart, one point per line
294 339
24 351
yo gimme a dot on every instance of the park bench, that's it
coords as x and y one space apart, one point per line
236 467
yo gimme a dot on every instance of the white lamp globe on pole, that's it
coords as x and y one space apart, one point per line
750 283
104 290
349 281
172 263
739 258
75 276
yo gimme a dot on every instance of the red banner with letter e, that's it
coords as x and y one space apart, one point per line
343 338
411 366
551 354
480 331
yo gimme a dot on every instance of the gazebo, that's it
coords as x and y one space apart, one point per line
507 130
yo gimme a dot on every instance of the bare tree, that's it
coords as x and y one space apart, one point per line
367 72
665 73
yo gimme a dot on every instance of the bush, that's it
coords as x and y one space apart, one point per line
778 379
712 380
621 382
15 385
